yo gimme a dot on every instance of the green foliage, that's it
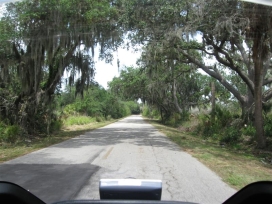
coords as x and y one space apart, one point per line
99 119
134 107
9 133
130 85
150 112
78 120
50 38
56 125
249 130
126 111
145 111
97 103
177 119
268 126
223 116
219 126
173 120
173 43
231 135
153 84
207 128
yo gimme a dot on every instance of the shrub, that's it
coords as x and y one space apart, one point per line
109 117
133 106
249 130
78 120
231 135
10 133
56 125
223 116
99 119
268 126
145 111
177 119
69 109
208 128
213 127
155 114
150 112
171 121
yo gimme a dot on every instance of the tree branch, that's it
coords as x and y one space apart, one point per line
243 53
267 95
51 87
217 76
229 63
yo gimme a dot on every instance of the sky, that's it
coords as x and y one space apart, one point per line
6 1
105 72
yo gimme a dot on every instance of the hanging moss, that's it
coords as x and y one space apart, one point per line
47 37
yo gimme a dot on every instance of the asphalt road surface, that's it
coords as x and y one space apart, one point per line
125 149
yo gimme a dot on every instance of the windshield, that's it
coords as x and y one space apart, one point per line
170 90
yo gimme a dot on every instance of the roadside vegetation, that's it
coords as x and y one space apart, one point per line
73 116
227 151
210 55
231 46
21 147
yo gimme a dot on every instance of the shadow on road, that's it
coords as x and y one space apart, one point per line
59 181
112 136
51 178
133 130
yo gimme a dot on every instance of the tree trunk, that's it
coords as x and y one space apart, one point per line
174 93
213 101
248 106
258 82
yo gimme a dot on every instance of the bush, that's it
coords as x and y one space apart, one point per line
145 111
56 125
125 110
133 106
249 130
69 109
231 135
10 133
150 112
109 117
223 116
208 128
268 126
177 119
213 127
99 119
78 120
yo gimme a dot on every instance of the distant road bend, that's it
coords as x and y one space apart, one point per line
128 148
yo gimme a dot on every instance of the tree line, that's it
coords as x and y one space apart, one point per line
228 40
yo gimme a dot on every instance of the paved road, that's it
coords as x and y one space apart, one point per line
128 148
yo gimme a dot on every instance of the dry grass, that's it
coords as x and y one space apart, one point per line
237 168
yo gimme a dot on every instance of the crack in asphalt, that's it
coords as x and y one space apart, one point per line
127 148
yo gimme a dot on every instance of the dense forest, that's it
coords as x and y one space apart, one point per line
196 54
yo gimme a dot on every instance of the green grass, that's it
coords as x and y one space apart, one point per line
236 166
78 120
11 151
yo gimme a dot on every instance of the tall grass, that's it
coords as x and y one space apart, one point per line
78 120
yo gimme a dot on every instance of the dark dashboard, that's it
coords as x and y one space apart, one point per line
259 192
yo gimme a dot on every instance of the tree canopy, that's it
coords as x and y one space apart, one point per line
216 36
41 40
